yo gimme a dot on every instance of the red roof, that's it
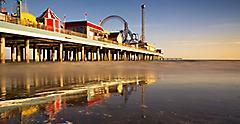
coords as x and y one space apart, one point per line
83 23
48 14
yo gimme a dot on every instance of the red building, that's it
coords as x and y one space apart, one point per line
50 20
93 31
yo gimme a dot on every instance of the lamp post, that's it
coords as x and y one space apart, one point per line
143 29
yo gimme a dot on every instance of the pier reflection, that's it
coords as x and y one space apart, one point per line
44 96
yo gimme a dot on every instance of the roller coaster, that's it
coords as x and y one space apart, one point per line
128 36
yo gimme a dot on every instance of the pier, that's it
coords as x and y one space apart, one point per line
49 43
48 38
64 46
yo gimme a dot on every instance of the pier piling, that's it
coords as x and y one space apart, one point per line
109 55
83 54
60 52
18 53
3 49
13 54
98 54
27 51
53 54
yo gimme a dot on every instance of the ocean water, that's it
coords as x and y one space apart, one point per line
177 92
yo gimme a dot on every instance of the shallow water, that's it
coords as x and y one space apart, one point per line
184 92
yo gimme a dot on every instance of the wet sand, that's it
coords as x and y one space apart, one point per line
121 92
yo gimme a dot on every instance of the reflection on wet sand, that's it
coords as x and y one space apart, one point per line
24 96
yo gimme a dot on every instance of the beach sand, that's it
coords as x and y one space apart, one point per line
161 92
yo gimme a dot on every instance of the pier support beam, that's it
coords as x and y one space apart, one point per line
18 53
36 54
22 53
98 54
13 54
44 55
92 55
41 59
130 56
125 56
3 49
79 54
113 57
105 56
60 52
109 55
118 55
53 55
151 57
71 55
48 54
102 56
135 57
83 54
76 54
66 55
27 51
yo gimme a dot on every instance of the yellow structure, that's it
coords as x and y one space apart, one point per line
28 19
29 111
150 47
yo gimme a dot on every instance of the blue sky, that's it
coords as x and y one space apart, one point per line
182 28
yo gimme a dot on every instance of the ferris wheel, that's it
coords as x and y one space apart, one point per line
128 36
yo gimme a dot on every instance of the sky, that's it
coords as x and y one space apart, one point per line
192 29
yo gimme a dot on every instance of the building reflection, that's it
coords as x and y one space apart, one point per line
53 93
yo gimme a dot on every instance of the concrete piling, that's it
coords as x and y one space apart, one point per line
36 54
27 51
98 54
60 52
76 54
92 55
125 56
21 52
118 55
13 54
18 53
53 54
3 49
109 55
83 54
41 55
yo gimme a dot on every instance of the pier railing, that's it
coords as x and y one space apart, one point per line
15 20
